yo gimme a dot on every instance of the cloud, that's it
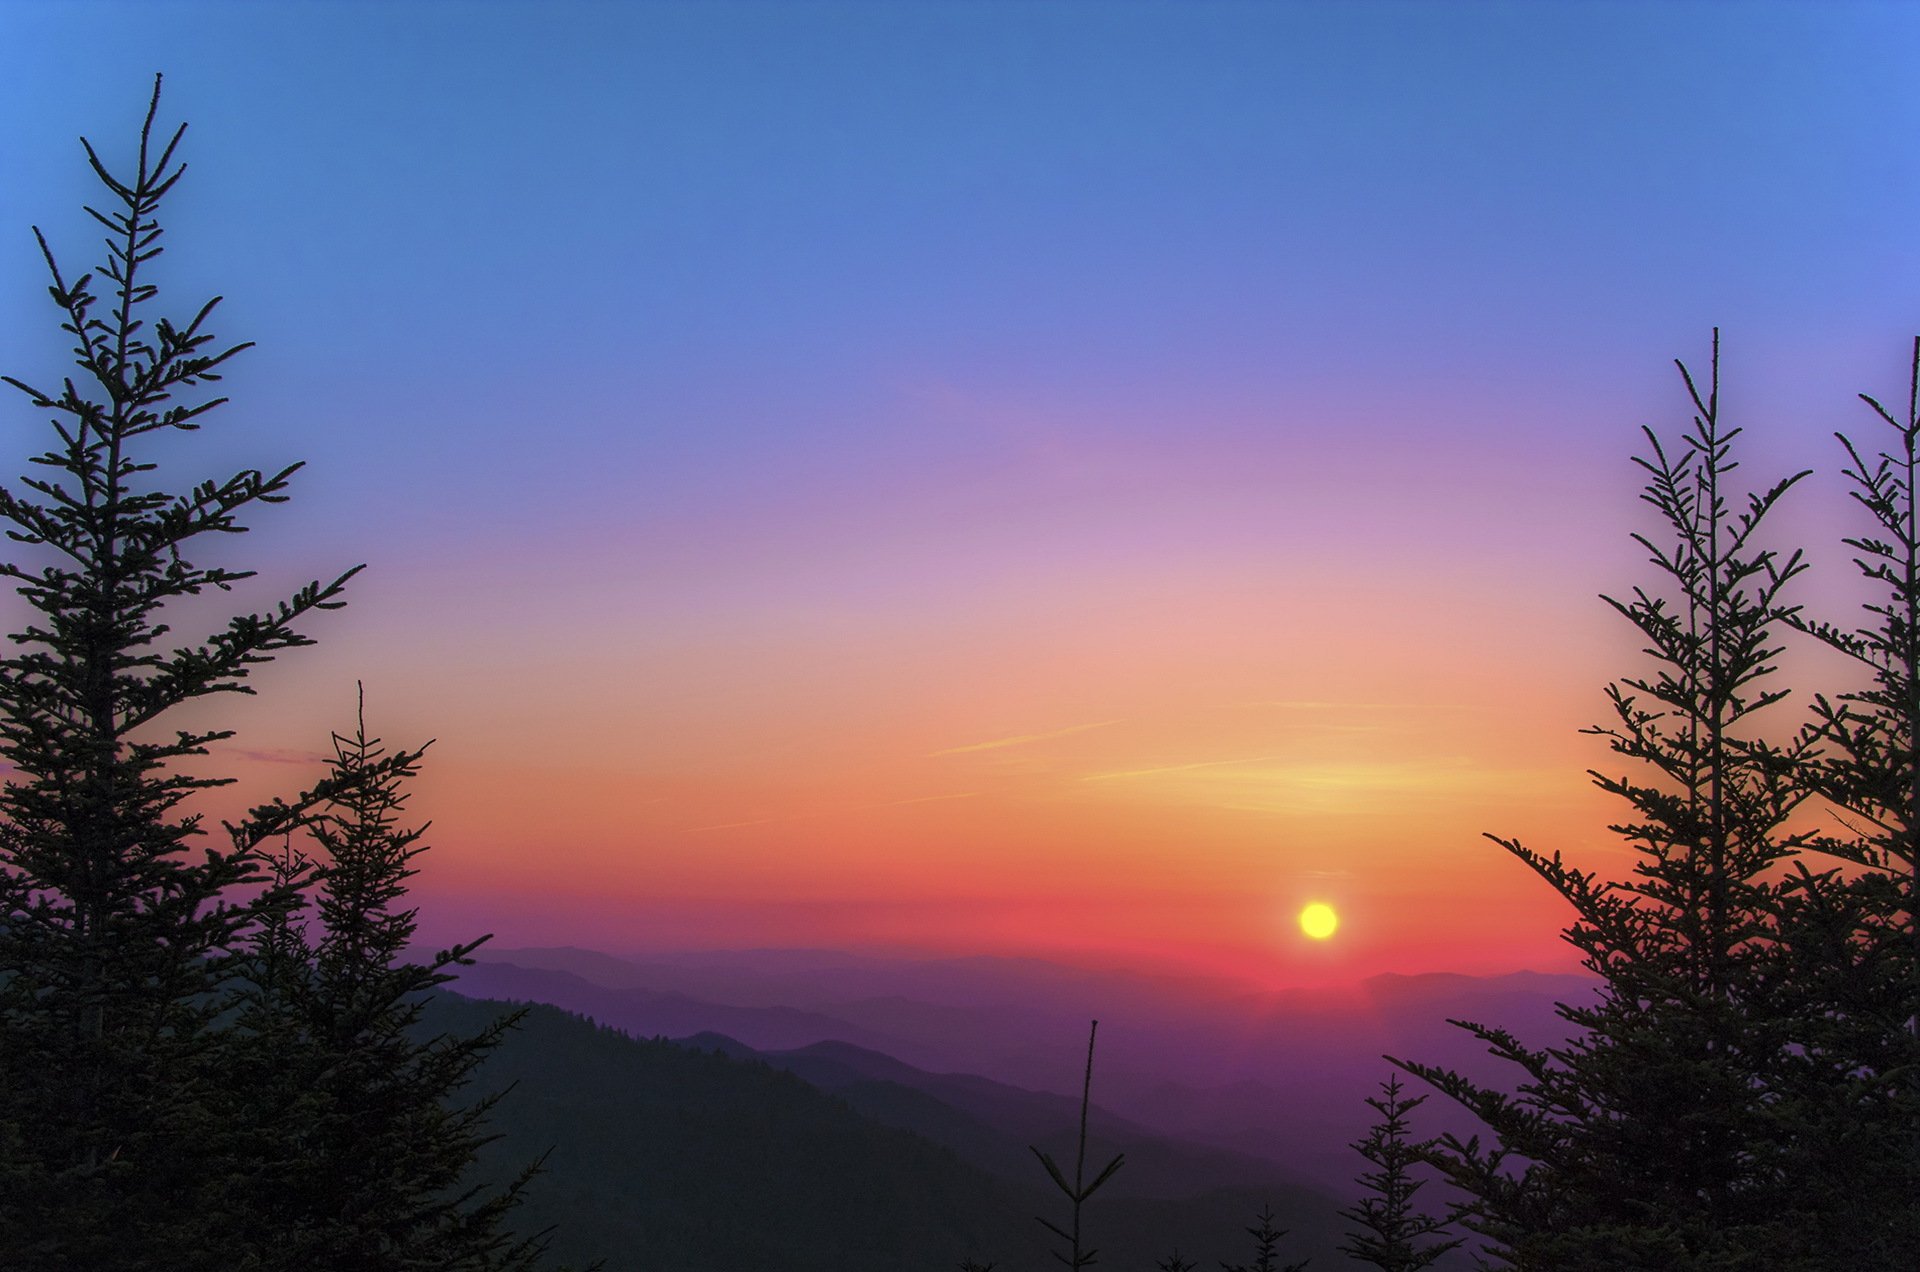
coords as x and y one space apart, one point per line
829 812
757 821
1309 704
921 799
1178 768
280 755
1022 739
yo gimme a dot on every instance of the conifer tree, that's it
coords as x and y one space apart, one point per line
119 925
1641 1143
1392 1233
1266 1248
1078 1253
374 1181
186 1080
1847 965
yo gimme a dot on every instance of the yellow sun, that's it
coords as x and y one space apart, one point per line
1319 921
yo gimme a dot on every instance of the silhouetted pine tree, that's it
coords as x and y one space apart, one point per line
387 1131
1393 1234
118 925
1266 1248
1078 1254
1847 1094
184 1082
1644 1143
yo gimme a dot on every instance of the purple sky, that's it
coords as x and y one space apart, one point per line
750 411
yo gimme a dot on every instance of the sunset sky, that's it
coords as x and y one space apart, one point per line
1063 478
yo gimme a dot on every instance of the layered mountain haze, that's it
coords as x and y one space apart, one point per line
1215 1081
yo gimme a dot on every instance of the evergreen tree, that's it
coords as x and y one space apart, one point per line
1078 1254
187 1081
1266 1248
1393 1234
1846 966
1645 1143
119 926
374 1180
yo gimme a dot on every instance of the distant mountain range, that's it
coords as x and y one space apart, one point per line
1189 1067
667 1156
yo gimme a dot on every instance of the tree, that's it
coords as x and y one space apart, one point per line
118 927
1847 964
1266 1248
1645 1142
1393 1234
147 1053
1078 1254
375 1178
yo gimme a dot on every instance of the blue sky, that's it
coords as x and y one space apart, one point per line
694 371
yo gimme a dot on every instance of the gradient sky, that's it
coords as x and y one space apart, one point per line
1071 478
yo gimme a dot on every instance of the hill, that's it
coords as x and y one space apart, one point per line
667 1158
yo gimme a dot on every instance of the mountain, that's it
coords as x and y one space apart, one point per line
661 1157
1279 1077
991 1124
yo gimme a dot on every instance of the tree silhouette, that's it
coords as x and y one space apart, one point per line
1393 1234
139 1062
1847 966
1077 1254
387 1133
118 927
1266 1248
1640 1144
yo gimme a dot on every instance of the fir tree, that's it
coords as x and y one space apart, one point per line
1393 1234
185 1081
1641 1144
119 926
1266 1248
388 1133
1078 1254
1847 966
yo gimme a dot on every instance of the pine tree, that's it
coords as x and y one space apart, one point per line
1847 965
1078 1253
187 1079
1266 1248
1393 1234
1643 1143
388 1131
119 926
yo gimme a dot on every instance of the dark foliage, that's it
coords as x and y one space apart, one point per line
120 929
158 1107
1391 1231
1738 1096
384 1129
1077 1254
1266 1248
668 1157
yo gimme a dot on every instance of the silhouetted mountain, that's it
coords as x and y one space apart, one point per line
1277 1076
991 1124
665 1158
649 1013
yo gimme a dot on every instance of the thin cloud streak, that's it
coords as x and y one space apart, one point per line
1022 739
1179 768
829 812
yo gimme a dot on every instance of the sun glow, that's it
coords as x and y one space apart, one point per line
1319 921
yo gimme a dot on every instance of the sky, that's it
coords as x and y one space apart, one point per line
1074 479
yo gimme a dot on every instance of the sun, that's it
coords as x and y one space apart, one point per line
1319 921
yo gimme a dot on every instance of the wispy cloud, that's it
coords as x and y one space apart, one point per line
829 812
280 755
756 821
1179 768
922 799
1023 739
1311 704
